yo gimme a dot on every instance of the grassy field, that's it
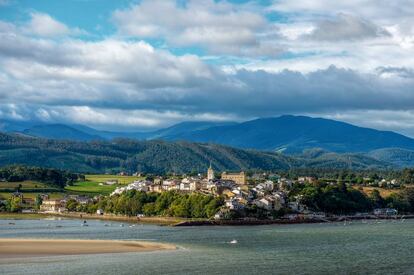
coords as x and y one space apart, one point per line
92 184
103 178
30 189
33 195
25 185
383 192
90 188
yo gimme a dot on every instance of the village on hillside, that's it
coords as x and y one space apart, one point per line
267 193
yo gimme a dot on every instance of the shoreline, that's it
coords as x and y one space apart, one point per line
85 216
21 248
287 221
174 221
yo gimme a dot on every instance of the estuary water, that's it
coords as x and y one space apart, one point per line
372 247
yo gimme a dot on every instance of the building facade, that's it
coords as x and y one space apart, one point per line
210 173
52 206
238 178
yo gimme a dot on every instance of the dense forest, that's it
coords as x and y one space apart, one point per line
403 176
55 177
168 203
342 199
161 157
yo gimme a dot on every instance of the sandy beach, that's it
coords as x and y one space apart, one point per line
16 248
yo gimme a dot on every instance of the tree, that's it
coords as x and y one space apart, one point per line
72 205
377 200
408 193
14 204
38 201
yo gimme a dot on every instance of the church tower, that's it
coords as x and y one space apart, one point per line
210 173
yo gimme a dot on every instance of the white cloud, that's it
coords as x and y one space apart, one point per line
401 121
219 27
121 82
346 27
44 25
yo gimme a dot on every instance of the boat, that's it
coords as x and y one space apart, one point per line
233 242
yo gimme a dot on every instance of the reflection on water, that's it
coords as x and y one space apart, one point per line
360 247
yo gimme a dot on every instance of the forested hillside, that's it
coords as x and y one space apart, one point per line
159 156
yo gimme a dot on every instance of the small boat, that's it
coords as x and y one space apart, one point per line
233 242
121 225
84 224
12 223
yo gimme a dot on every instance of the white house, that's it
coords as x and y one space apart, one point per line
234 204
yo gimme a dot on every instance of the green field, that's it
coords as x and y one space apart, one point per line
90 187
33 195
104 178
92 184
25 185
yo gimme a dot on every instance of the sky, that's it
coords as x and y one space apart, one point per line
140 65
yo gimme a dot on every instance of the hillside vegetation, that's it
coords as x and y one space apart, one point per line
160 157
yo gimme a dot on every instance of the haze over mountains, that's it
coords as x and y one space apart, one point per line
157 156
288 134
270 143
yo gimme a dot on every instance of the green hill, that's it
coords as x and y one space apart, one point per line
159 156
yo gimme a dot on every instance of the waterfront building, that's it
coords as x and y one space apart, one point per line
52 206
234 204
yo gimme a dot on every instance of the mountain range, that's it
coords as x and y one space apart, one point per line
157 156
288 134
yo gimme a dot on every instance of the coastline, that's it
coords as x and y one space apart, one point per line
86 216
174 221
287 221
18 248
120 218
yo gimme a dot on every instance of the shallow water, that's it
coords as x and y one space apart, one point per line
386 247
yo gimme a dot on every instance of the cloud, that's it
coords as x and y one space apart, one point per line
382 11
346 27
218 27
390 120
395 71
314 62
44 25
131 83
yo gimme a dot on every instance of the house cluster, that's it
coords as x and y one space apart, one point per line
388 183
59 205
209 185
269 195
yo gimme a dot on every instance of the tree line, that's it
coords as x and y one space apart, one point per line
340 198
55 177
170 203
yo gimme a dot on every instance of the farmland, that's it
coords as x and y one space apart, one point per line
92 186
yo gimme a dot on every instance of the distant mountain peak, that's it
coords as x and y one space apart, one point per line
286 133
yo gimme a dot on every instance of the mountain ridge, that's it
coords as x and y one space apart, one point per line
156 156
288 134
